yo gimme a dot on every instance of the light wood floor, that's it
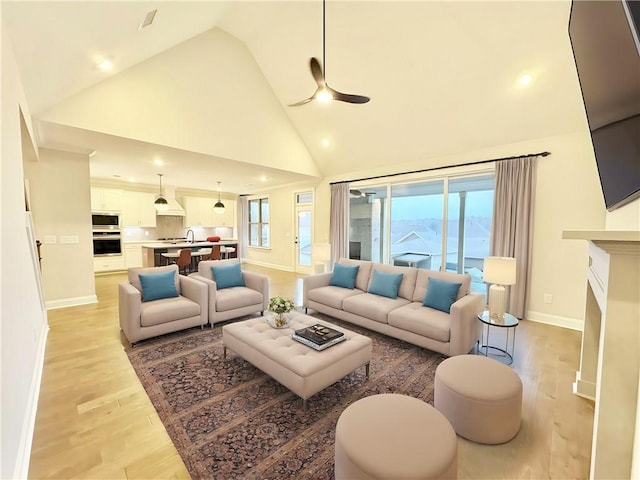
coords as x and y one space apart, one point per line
95 420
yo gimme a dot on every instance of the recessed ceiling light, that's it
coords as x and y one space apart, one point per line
264 178
525 80
158 161
132 180
325 142
105 65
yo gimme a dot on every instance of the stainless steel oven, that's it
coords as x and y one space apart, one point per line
103 221
107 242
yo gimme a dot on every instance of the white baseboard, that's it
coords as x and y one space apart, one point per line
71 302
23 456
558 321
267 265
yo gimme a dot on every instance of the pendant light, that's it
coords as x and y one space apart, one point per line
219 206
161 204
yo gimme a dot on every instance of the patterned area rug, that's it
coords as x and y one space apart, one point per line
228 420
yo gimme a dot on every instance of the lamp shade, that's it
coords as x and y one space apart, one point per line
500 270
161 204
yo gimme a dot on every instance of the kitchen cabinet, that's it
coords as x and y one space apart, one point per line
108 264
133 255
137 209
228 218
199 211
106 199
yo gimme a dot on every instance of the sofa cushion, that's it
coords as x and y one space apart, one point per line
167 310
158 285
408 284
332 296
423 278
421 320
441 294
364 271
371 306
227 276
204 267
385 283
236 297
134 275
344 276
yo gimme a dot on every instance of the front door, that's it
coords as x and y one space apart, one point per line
303 238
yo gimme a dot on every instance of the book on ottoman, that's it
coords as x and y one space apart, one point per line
318 336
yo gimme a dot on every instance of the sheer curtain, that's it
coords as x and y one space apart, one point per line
243 226
512 224
339 226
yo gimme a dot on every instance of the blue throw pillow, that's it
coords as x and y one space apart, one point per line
441 294
385 283
344 276
158 285
227 276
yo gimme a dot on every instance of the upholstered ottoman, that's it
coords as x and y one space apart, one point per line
393 436
481 397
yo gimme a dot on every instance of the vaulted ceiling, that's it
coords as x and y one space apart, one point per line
207 85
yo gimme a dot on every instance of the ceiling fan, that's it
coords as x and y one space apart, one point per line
324 92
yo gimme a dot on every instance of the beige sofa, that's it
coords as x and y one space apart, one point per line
404 317
140 319
233 302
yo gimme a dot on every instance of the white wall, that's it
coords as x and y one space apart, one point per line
220 106
61 205
23 321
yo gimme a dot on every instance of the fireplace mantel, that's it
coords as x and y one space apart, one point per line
610 354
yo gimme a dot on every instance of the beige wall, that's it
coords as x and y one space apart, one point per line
23 320
61 204
624 218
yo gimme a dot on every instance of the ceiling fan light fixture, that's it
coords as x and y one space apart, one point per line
324 95
219 207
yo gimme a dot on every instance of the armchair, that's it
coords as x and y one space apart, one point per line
233 301
162 312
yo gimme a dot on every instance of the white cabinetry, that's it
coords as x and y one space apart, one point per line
106 199
228 218
133 255
108 264
199 212
137 209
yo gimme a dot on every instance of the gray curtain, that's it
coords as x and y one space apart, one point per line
339 226
512 224
243 226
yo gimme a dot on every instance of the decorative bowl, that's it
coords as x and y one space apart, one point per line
278 320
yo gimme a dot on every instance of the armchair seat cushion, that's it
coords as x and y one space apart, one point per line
415 318
332 296
237 297
167 310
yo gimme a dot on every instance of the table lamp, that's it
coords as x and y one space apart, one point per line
499 271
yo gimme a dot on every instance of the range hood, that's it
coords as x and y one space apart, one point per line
175 209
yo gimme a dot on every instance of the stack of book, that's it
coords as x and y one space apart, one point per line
318 336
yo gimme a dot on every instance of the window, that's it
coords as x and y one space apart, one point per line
259 222
440 223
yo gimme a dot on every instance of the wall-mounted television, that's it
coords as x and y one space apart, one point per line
606 47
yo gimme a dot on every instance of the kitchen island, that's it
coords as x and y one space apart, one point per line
152 252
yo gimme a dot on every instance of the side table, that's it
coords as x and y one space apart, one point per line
510 323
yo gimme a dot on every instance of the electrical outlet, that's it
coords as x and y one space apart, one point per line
548 298
48 239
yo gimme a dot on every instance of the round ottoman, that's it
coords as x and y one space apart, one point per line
481 397
392 436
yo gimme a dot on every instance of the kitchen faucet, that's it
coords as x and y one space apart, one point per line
193 236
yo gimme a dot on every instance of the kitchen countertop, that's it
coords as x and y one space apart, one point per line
168 244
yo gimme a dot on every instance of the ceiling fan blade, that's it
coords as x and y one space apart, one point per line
316 71
347 97
301 102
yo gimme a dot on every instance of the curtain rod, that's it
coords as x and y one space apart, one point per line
479 162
